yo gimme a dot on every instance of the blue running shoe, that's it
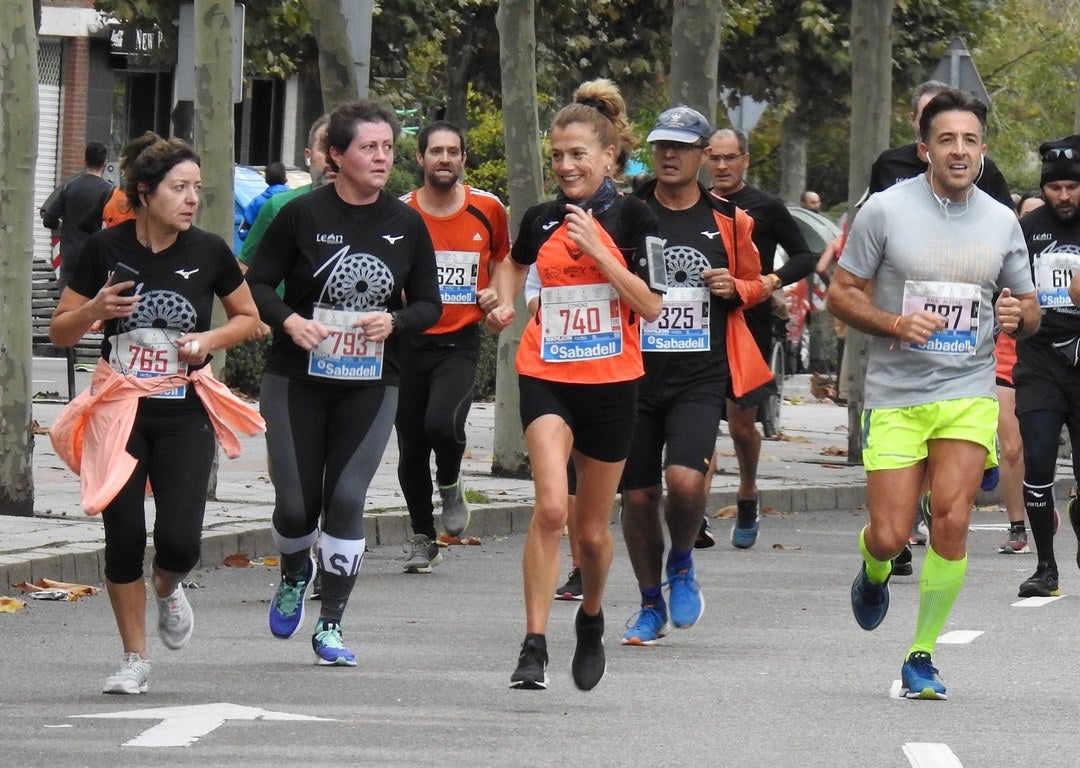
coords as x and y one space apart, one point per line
650 624
684 598
747 521
869 602
990 479
919 678
287 607
328 645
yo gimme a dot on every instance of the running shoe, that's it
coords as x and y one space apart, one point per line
571 590
1017 543
920 679
176 621
589 663
901 564
684 597
869 601
650 624
531 672
455 510
920 528
747 521
132 677
705 537
287 606
423 555
1043 583
327 644
990 479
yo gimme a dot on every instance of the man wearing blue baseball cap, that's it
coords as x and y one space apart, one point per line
697 351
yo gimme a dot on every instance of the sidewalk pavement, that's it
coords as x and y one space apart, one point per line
804 469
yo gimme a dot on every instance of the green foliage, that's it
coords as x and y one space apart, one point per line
486 148
244 367
405 174
485 368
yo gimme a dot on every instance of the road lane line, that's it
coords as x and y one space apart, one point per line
924 755
959 636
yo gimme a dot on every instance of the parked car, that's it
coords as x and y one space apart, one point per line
804 297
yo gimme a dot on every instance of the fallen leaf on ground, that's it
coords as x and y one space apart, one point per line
834 450
11 604
790 439
82 590
446 540
237 560
726 513
785 546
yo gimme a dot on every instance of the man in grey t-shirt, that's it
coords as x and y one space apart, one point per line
938 249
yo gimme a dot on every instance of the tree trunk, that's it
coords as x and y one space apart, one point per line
18 156
213 132
459 58
871 101
695 51
794 139
515 20
337 74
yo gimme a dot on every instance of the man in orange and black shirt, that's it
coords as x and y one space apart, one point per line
438 368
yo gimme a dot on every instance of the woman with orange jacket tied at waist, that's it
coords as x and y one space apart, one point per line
152 412
578 364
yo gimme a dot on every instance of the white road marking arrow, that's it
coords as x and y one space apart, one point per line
183 726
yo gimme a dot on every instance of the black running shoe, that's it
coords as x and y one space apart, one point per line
590 663
901 564
1043 583
531 672
705 538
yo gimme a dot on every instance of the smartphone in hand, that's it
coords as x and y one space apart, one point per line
122 274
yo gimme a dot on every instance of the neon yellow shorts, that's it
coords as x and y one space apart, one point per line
895 438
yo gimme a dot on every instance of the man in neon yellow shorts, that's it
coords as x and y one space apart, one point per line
937 250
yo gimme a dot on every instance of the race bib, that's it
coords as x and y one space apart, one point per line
458 271
346 354
683 324
147 353
958 303
580 322
1053 273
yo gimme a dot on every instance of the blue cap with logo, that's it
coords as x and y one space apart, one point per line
681 124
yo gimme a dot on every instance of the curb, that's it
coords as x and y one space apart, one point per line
85 563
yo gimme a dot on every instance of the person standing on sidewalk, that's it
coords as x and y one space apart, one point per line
469 230
728 159
348 253
153 409
698 349
938 249
75 208
578 364
1047 370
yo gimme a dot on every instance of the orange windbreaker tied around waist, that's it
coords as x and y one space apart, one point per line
91 433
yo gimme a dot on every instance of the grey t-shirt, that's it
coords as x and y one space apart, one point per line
903 235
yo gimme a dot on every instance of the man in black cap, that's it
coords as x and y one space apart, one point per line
695 352
1047 370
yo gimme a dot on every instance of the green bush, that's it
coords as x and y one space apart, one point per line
485 368
244 367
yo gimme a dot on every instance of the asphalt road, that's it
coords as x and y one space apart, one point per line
775 674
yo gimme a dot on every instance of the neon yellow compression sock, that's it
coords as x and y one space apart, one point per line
876 570
939 584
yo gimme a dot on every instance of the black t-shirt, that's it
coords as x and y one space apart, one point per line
900 163
628 220
692 245
1045 233
78 205
773 225
352 257
177 285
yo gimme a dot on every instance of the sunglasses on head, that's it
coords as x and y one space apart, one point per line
1067 153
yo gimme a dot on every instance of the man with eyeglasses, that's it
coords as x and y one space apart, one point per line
695 352
727 159
938 250
1047 370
